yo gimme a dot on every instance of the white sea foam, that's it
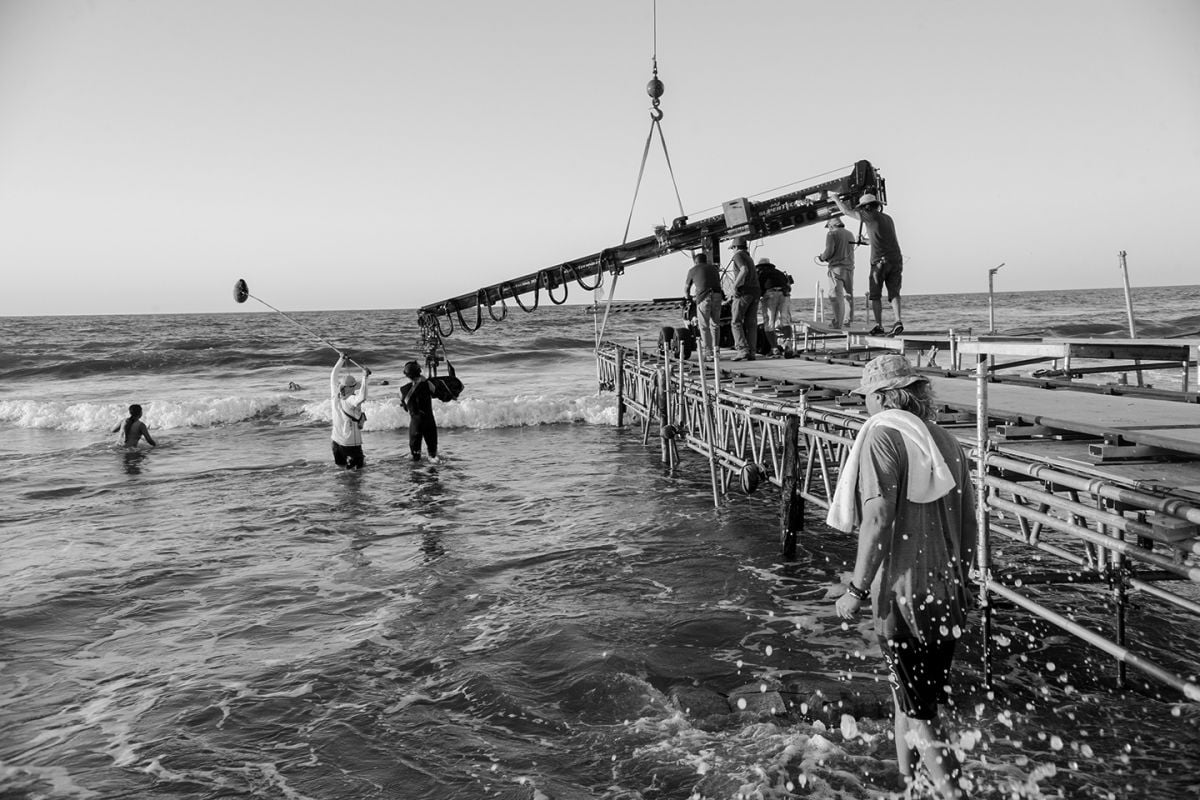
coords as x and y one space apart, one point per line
485 413
158 414
385 414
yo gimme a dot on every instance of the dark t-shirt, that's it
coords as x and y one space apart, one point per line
771 277
882 232
706 278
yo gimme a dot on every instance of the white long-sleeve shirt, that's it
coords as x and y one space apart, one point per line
346 410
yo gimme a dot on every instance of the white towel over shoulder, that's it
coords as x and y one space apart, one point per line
928 476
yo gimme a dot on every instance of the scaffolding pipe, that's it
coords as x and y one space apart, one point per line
1184 571
1109 491
1189 689
983 552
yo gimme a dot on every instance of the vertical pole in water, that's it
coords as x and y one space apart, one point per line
620 386
791 512
1116 567
664 384
983 557
709 424
1129 307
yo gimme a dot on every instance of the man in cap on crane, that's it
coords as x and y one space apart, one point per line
887 263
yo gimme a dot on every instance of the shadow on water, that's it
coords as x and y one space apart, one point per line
133 459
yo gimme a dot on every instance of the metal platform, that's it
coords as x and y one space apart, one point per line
1108 486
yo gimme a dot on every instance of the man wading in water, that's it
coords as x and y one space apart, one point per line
907 487
348 416
417 400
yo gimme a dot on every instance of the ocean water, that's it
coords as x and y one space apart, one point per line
547 613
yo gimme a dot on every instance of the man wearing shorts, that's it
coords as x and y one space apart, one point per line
887 263
839 255
907 486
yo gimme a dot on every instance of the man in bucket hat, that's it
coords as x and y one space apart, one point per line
887 263
906 485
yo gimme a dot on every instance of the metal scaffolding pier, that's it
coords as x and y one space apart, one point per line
1104 486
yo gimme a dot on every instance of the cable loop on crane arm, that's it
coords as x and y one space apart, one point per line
462 323
548 277
503 309
437 321
575 274
513 293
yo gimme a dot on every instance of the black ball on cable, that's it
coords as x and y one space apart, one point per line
655 88
241 291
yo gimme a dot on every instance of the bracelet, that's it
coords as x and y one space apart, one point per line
854 591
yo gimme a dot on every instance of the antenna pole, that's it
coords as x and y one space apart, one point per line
991 306
1128 297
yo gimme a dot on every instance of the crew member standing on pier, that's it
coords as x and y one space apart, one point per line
907 486
705 279
746 293
774 284
839 255
887 263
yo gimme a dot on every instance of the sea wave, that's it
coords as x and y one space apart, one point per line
159 415
382 414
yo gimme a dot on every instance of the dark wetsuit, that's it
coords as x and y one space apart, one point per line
417 398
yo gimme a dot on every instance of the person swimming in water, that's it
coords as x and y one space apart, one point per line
133 429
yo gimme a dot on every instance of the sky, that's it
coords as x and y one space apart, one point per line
365 154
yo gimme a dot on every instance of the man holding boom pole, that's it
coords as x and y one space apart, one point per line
348 416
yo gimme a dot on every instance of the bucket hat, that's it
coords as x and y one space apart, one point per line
891 371
348 381
866 199
835 222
